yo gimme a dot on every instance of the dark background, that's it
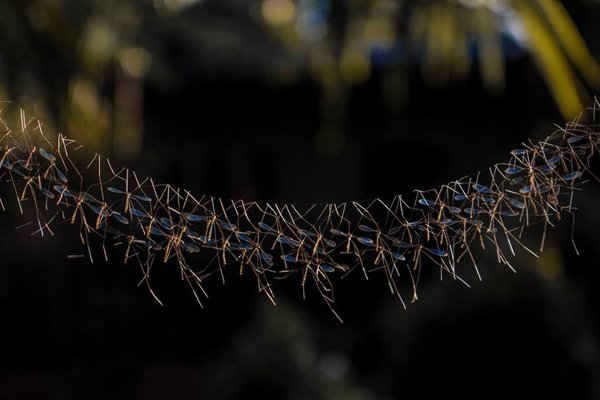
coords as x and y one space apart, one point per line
219 124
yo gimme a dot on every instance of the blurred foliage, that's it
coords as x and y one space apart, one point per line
446 37
85 62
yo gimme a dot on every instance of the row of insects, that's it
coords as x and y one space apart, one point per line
154 221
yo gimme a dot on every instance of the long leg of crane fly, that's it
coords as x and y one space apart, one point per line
30 156
116 180
324 286
287 217
40 130
15 190
294 225
192 279
371 219
363 211
557 157
287 221
327 213
305 273
389 267
226 246
169 247
332 310
582 165
81 199
210 234
64 143
225 225
129 239
146 278
303 258
339 211
594 142
245 209
358 255
210 220
237 232
189 198
413 282
48 195
416 268
323 282
306 212
52 167
445 268
269 214
157 202
398 255
29 180
99 173
181 264
136 244
467 250
45 226
96 159
319 244
36 208
507 231
102 209
173 199
314 237
324 218
24 124
126 192
373 207
444 238
265 287
391 214
400 207
154 222
509 235
392 281
7 153
114 174
547 222
425 214
130 196
262 281
233 207
501 258
85 240
240 208
7 131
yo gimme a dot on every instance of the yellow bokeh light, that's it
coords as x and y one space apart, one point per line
278 12
99 42
550 264
135 61
84 94
355 67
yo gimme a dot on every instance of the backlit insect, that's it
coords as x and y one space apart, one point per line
52 167
128 195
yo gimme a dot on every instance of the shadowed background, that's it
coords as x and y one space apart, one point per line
299 101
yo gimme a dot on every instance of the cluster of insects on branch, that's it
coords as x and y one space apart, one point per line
203 236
